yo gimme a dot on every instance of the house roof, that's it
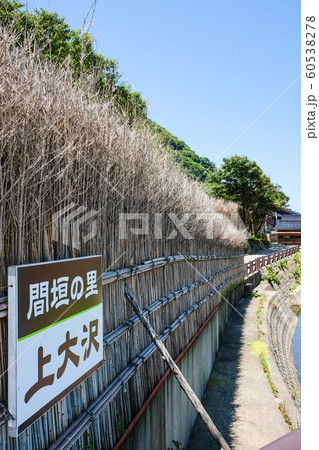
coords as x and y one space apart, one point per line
288 224
287 211
290 219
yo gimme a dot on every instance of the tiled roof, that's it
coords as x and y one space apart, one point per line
291 219
287 211
291 225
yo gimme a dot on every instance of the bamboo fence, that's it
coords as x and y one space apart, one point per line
131 369
64 150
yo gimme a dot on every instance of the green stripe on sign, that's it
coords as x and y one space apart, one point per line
57 323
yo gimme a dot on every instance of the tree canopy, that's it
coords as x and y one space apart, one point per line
195 166
243 181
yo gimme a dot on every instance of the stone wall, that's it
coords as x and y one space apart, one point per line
282 323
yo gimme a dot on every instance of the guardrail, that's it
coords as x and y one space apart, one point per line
264 260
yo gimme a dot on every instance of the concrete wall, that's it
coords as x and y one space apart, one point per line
295 297
254 279
282 324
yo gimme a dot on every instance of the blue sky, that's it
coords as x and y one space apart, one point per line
208 69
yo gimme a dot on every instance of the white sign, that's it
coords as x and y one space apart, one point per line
55 333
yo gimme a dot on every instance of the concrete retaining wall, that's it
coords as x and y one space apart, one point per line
254 279
282 324
295 297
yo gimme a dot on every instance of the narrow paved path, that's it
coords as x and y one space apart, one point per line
238 396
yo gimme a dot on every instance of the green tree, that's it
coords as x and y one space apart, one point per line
244 182
195 166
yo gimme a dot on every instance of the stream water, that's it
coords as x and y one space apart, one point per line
296 347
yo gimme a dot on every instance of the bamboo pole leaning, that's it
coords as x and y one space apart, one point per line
177 373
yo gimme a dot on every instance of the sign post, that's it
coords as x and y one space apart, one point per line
55 333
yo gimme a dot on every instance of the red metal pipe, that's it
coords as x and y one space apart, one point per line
159 384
